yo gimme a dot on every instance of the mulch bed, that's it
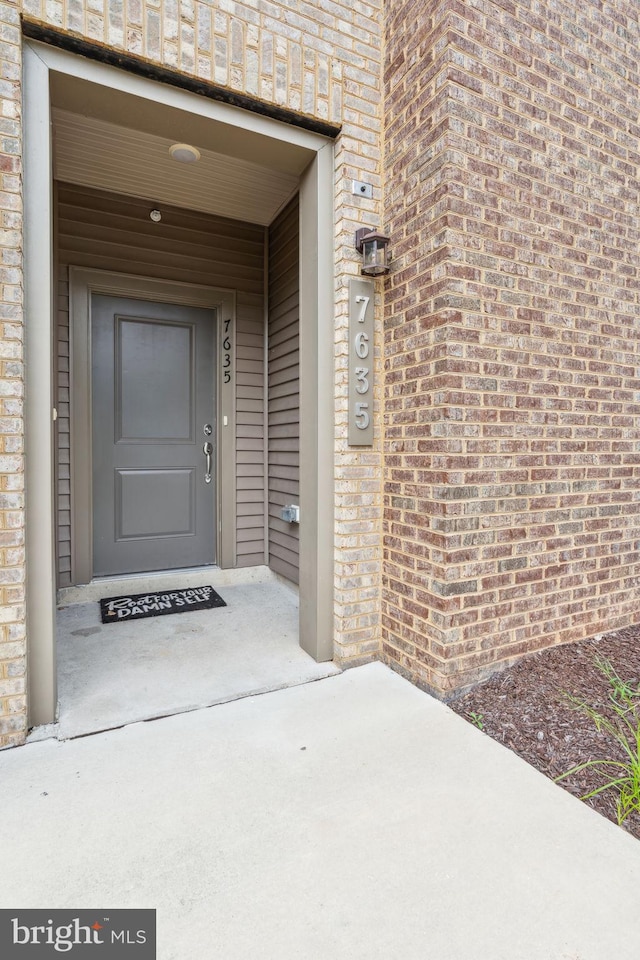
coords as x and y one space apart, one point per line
524 708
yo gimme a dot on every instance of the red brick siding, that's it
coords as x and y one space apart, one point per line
512 326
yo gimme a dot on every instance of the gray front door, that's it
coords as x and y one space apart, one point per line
152 395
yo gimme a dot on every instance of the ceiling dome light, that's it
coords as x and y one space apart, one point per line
184 153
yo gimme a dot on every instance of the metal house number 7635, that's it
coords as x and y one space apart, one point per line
226 355
361 336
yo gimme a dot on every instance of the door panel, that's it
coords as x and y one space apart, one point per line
150 355
138 492
152 393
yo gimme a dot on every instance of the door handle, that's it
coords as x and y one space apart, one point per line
207 449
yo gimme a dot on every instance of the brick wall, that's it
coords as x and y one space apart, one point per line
319 57
512 328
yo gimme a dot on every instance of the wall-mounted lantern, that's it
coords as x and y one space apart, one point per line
373 247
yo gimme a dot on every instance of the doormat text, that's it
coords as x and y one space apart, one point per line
140 605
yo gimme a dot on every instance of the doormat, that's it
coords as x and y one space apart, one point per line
141 605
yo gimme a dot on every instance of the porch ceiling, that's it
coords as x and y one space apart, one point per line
92 151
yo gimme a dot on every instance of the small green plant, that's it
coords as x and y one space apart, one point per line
621 690
622 776
477 719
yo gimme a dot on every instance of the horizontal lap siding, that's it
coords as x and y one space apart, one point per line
62 434
250 466
108 232
283 394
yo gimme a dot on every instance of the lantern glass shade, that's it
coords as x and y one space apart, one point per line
374 253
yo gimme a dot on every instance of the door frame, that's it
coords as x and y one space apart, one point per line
83 283
317 353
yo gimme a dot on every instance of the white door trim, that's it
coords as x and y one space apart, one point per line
82 284
39 450
317 191
317 408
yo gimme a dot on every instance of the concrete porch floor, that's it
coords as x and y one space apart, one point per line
121 673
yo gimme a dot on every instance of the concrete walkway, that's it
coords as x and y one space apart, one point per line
353 817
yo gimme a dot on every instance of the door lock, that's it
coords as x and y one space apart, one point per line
207 429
